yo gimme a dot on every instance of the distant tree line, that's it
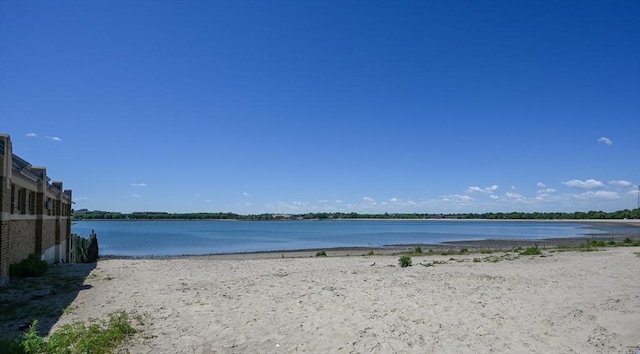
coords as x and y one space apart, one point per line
579 215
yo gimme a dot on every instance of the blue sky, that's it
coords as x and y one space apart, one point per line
291 107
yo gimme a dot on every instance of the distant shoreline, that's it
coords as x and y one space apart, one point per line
634 222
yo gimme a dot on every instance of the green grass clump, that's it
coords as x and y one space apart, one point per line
629 242
321 254
464 251
78 337
417 250
405 261
370 253
531 251
32 266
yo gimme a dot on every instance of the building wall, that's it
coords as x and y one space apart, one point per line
48 240
35 215
65 231
22 241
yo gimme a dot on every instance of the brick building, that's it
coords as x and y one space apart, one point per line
35 215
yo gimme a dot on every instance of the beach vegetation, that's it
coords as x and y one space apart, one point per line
32 266
321 254
78 337
370 253
464 251
449 253
405 261
430 252
531 251
417 250
596 243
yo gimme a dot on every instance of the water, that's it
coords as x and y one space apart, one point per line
164 238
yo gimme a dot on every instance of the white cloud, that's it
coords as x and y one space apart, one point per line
513 195
605 141
138 184
475 189
493 196
398 202
246 194
34 135
456 198
197 196
338 201
621 183
588 184
135 195
598 195
546 191
368 199
323 201
541 185
292 206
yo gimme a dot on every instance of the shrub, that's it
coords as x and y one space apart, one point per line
627 240
405 261
32 266
370 253
96 337
321 254
417 250
464 251
531 251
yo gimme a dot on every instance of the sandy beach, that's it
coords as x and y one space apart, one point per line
563 302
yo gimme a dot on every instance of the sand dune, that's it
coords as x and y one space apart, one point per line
566 302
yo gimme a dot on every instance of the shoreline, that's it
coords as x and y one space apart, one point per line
633 222
493 245
605 230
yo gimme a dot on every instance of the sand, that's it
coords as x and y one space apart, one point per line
565 302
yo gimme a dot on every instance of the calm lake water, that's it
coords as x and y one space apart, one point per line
164 238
